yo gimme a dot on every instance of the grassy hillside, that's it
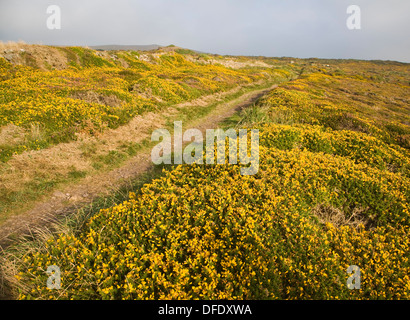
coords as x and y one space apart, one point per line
52 97
96 90
332 191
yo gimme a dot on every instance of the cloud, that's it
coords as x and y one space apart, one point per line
299 28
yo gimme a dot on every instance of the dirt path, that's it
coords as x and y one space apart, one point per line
72 197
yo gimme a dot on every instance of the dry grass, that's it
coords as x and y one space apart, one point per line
12 45
328 214
231 63
36 132
43 57
11 134
95 97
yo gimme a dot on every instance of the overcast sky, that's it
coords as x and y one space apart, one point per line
296 28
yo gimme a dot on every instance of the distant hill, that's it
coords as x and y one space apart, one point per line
127 47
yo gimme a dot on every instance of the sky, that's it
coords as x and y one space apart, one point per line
274 28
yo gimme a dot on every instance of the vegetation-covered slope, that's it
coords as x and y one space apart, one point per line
68 113
332 191
93 90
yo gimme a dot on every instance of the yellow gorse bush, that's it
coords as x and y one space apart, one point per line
189 235
207 232
105 92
